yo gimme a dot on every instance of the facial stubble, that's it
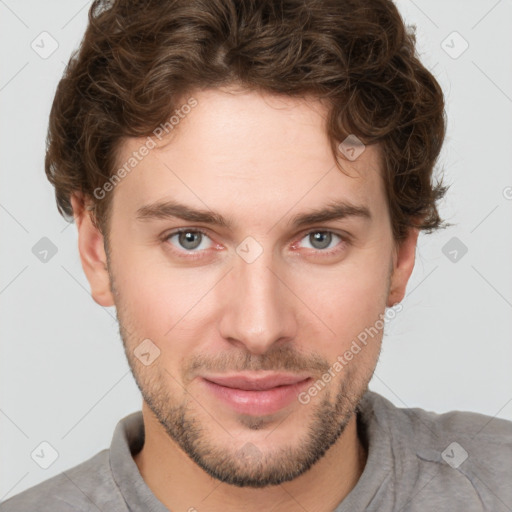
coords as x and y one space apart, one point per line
249 465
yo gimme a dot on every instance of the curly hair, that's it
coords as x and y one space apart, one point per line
139 58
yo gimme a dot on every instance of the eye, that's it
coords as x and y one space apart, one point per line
322 240
188 239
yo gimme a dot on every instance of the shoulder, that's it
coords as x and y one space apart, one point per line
458 454
87 486
478 431
481 436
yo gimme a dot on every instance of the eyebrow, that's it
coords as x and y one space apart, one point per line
335 210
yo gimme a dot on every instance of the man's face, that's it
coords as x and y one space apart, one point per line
261 297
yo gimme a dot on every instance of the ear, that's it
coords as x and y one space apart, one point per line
92 252
403 264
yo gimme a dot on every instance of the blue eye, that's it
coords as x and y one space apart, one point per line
188 239
190 243
321 239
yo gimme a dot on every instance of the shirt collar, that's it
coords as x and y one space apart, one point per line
127 441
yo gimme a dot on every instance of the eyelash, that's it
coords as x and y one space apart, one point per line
191 255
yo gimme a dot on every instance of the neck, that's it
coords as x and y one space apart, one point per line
180 484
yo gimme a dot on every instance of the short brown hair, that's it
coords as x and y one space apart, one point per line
139 58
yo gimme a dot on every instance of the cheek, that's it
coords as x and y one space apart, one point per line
349 301
152 297
173 307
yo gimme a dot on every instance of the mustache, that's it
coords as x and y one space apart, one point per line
284 358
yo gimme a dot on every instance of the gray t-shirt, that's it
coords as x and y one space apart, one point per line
417 461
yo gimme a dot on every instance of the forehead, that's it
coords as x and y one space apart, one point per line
264 152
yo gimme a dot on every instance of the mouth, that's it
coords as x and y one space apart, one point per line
255 394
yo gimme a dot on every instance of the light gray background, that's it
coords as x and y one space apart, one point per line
64 378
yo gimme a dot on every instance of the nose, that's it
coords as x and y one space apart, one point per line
258 307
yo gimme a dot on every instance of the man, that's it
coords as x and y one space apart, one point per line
248 180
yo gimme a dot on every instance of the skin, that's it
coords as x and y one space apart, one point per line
258 160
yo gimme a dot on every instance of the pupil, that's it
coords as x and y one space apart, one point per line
187 238
323 238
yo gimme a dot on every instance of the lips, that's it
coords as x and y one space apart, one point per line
256 394
256 383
